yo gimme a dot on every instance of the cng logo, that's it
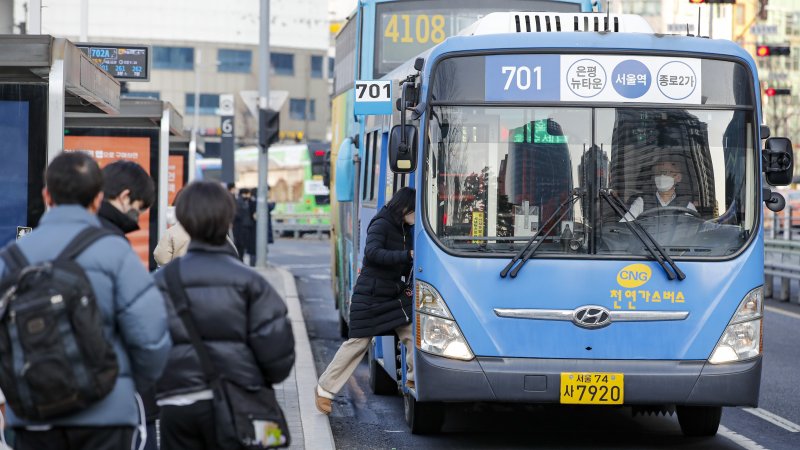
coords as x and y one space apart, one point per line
634 275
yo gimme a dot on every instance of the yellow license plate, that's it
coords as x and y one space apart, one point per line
592 388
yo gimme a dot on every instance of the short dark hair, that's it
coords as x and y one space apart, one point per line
254 192
205 210
231 186
243 191
402 203
73 179
121 175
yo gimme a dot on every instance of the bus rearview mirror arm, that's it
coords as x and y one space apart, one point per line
773 200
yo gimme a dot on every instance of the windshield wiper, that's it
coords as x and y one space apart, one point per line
574 196
652 246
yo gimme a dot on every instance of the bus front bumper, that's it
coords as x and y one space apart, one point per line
531 380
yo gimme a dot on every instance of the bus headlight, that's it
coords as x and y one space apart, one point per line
437 331
742 338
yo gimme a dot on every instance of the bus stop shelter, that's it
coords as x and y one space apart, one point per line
42 79
141 132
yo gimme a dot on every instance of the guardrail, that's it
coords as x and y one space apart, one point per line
299 224
781 254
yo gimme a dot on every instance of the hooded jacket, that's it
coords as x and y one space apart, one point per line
376 307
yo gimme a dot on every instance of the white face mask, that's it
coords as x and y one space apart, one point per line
664 182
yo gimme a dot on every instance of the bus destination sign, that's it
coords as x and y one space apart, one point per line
130 63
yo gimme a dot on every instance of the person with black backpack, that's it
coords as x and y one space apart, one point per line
82 325
232 338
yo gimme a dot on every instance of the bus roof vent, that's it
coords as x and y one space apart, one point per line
544 22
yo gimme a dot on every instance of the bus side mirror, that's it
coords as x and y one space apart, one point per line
403 148
774 201
777 162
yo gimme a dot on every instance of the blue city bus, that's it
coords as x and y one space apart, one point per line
377 38
545 270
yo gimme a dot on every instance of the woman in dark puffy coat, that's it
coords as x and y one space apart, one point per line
378 306
240 318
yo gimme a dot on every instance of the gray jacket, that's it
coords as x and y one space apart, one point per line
133 309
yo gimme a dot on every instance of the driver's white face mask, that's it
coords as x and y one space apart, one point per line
664 182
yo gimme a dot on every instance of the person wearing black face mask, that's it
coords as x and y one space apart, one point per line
128 191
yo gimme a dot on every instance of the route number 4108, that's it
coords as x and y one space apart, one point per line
521 77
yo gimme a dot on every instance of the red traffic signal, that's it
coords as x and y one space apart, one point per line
773 50
772 92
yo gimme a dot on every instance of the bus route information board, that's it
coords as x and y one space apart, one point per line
130 63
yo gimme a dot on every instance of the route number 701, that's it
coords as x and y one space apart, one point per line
522 76
373 91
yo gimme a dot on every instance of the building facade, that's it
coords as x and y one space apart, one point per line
211 48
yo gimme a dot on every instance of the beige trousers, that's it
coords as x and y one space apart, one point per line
349 355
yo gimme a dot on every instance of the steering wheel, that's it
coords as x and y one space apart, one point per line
675 210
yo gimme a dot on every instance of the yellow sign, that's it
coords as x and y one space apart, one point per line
634 275
477 224
408 29
592 388
631 296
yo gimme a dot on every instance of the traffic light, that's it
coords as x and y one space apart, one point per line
269 129
773 50
772 92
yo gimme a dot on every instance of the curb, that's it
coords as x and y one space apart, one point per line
317 432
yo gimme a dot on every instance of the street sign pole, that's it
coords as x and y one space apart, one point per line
263 161
227 142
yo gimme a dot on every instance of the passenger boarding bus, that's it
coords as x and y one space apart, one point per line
378 37
588 226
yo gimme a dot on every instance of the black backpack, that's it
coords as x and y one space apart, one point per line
54 356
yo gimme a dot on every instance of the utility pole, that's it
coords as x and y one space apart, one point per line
195 117
263 162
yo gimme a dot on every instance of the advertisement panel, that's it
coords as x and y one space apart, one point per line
14 170
108 149
175 177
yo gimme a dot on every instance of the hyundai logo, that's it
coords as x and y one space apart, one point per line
591 317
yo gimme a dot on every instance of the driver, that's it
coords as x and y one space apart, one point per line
666 176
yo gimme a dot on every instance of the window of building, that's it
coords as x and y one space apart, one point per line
316 66
312 109
238 61
209 104
173 58
297 109
143 94
331 63
282 63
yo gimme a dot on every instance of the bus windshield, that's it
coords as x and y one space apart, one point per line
405 29
497 174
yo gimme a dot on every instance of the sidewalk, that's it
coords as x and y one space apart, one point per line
310 430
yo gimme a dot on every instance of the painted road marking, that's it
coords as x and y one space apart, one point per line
782 312
774 419
740 440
